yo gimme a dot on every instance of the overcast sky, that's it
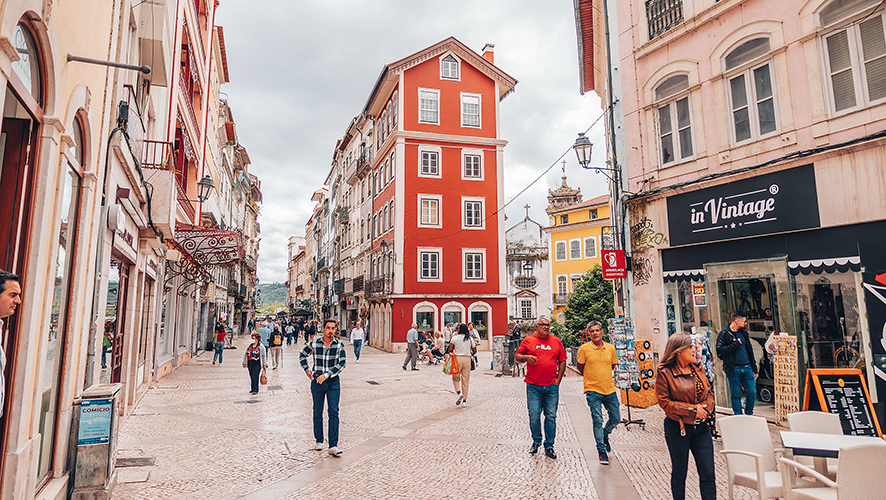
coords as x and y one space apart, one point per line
301 70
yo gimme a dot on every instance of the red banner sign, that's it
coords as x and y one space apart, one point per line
614 266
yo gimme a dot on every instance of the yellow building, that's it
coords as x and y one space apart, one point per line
575 228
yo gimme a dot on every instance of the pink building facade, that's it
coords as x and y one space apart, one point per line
756 157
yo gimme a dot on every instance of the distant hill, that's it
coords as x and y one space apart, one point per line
273 293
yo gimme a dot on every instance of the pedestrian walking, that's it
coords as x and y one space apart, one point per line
107 343
734 348
264 331
596 361
10 298
276 347
357 338
684 393
219 346
310 331
411 347
327 355
462 347
290 329
255 359
545 360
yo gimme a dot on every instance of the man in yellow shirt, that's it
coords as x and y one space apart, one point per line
596 362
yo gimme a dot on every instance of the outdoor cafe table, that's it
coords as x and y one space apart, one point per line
821 446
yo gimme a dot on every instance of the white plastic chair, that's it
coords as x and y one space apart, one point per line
750 455
819 422
859 475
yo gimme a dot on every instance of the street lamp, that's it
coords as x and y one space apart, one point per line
204 187
583 149
527 268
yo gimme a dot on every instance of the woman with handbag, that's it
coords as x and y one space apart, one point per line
255 359
462 347
684 393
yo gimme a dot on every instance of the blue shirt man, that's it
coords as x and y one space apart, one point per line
327 355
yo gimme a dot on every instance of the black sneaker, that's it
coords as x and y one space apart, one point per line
533 449
550 453
604 457
606 443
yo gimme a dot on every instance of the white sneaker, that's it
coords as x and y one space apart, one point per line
464 404
358 361
318 446
334 451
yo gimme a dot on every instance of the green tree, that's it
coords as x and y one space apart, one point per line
591 299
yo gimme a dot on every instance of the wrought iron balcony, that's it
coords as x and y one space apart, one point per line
358 284
560 299
321 264
339 286
663 15
378 286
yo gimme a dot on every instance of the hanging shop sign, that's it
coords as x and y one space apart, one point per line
765 204
614 264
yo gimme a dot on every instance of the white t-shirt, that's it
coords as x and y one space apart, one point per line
462 346
357 334
447 333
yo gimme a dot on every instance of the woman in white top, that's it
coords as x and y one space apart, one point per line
462 347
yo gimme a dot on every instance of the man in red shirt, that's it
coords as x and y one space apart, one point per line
545 360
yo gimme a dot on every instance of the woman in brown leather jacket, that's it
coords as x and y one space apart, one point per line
685 395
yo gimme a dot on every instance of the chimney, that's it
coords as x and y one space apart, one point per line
488 52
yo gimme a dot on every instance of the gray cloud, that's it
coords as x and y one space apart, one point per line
300 71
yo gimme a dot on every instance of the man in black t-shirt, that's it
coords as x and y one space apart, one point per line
734 348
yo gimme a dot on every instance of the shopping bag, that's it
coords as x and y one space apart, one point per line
450 365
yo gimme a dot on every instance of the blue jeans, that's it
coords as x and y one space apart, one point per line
698 441
743 376
330 390
610 401
219 352
358 344
543 398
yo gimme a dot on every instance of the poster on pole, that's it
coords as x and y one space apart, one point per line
95 422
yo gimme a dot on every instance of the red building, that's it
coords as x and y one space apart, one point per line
437 239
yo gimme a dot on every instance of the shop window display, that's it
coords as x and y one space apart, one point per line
828 316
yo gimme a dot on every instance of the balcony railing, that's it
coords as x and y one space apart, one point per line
363 162
189 103
339 286
377 286
157 155
358 284
560 299
321 263
663 15
185 203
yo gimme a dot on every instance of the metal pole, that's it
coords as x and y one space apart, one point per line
144 69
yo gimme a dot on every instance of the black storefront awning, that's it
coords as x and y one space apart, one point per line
817 251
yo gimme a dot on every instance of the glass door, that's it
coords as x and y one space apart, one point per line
761 290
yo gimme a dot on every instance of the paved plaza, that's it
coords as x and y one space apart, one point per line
199 434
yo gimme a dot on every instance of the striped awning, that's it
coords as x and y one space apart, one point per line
832 265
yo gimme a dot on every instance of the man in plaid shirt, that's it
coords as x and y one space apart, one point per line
328 357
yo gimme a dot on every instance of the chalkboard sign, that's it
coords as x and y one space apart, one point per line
845 393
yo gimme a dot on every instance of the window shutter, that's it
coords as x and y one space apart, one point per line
841 70
874 48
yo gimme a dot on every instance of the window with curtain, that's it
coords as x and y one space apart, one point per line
429 106
470 111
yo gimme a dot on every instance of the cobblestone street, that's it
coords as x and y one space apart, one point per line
199 434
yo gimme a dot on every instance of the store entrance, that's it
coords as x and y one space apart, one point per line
760 290
753 299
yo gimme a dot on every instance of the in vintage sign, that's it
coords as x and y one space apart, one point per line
771 203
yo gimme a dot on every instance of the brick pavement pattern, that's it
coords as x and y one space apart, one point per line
402 436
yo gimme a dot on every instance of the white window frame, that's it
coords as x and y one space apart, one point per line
436 92
572 278
464 265
393 166
431 150
580 255
859 75
596 247
465 153
565 251
752 102
675 128
523 302
464 212
464 96
430 197
420 251
557 284
457 76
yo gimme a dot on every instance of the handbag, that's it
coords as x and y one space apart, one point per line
450 365
263 380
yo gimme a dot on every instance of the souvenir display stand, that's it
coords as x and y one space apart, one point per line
627 370
787 392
